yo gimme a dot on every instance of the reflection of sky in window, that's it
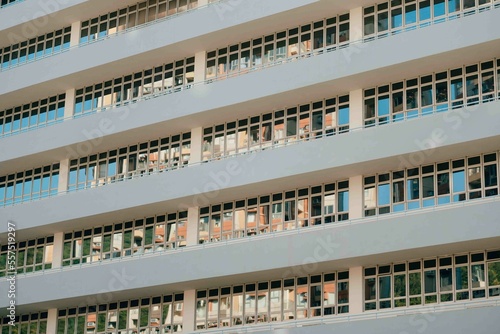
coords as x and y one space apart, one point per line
410 15
439 9
343 115
384 194
397 18
425 12
458 181
383 106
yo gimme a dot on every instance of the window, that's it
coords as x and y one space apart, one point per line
292 42
304 122
435 280
430 185
293 209
275 301
396 16
140 236
164 78
32 255
34 323
128 162
131 16
149 314
34 114
427 94
29 185
35 48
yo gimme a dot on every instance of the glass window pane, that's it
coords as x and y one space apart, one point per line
461 278
446 279
430 281
494 274
490 175
413 189
458 181
477 276
384 194
399 285
384 287
415 280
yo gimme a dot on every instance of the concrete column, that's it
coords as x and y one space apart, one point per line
356 109
75 33
192 226
57 252
189 311
52 321
63 175
196 145
69 103
356 197
356 24
355 290
200 64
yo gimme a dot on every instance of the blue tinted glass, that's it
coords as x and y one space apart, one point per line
9 194
60 112
7 126
429 202
33 119
343 115
425 11
55 181
413 189
111 168
16 124
383 106
2 193
384 194
18 189
398 207
43 115
72 179
25 122
439 8
78 106
410 14
443 200
45 183
413 205
458 181
343 204
87 104
36 184
52 113
31 54
397 18
27 187
453 5
82 174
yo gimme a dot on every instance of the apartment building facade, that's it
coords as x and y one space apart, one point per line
229 166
